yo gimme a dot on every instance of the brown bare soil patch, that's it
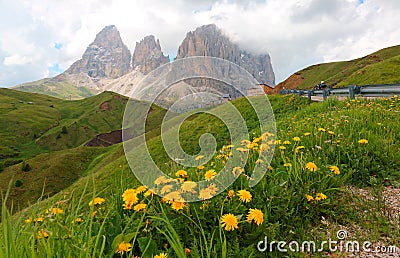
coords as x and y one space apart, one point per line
293 82
105 105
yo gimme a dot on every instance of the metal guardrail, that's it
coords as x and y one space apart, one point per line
380 90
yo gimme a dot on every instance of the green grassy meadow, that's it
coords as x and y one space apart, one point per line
101 210
62 89
380 67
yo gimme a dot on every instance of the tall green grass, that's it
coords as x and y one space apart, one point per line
289 196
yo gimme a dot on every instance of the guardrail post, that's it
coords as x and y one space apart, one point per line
325 94
352 91
309 94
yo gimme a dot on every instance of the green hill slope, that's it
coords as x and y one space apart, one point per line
62 89
47 135
322 148
49 124
110 169
377 68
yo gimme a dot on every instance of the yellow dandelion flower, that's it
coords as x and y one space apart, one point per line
296 139
298 148
166 189
311 166
199 157
205 194
79 220
244 195
165 200
321 196
97 201
212 188
363 141
307 134
149 192
270 168
334 169
42 234
161 255
126 205
287 142
141 189
256 139
265 135
282 147
160 180
181 173
130 195
28 220
139 207
210 174
123 247
287 165
277 142
201 167
236 171
255 215
54 211
231 193
174 196
229 222
245 142
309 198
321 129
264 147
259 161
188 186
177 205
331 132
252 145
180 179
40 219
346 121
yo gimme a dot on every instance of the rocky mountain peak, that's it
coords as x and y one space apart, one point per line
208 40
106 57
148 55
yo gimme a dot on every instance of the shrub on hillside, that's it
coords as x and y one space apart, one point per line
18 183
25 167
64 130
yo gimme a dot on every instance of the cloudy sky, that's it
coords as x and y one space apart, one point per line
41 38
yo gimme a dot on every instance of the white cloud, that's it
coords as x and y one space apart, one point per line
16 60
296 34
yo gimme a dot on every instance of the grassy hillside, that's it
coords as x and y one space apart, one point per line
359 138
377 68
21 123
46 135
57 88
48 174
49 124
